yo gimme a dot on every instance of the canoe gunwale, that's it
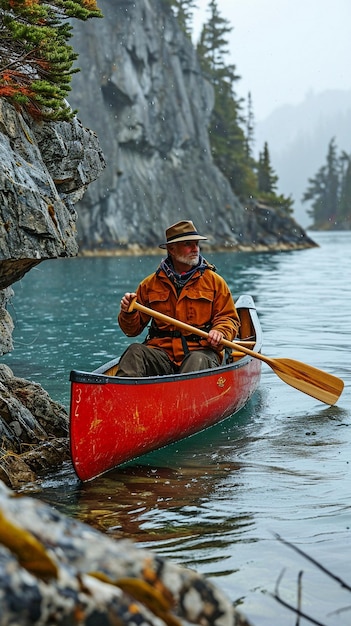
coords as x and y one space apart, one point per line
98 377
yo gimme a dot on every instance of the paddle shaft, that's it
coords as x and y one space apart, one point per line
310 380
192 329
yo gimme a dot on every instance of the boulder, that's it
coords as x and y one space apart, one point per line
33 430
56 570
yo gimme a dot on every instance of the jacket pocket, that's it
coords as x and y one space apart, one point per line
199 307
160 301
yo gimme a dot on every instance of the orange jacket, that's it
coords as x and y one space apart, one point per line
204 300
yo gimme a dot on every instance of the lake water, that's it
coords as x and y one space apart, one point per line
217 501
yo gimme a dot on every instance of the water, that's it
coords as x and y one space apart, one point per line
216 501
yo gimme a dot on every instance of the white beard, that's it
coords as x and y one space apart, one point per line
188 259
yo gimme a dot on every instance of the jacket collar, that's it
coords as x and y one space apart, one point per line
179 280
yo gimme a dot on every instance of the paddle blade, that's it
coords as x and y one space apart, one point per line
316 383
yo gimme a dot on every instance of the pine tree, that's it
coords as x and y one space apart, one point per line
228 142
250 128
323 190
267 184
184 14
267 179
36 60
344 206
316 193
183 11
232 135
332 188
213 44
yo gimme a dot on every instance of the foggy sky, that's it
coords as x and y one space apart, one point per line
284 49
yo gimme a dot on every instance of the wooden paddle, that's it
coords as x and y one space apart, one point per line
310 380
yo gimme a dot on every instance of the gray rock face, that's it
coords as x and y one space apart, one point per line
6 323
142 90
33 429
44 169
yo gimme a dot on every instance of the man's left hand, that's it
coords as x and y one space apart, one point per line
214 338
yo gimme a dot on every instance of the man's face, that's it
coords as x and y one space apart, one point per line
185 252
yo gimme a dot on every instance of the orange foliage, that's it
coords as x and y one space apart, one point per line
14 83
7 91
20 3
13 77
90 5
45 65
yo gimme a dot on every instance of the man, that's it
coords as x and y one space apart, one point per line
186 287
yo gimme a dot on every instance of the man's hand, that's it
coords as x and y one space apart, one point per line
214 338
126 300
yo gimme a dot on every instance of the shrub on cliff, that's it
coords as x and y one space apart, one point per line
36 60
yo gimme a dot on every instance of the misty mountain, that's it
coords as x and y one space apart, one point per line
298 137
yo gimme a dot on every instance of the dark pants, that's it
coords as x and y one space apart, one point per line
140 360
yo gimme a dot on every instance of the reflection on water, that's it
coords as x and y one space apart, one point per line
215 501
152 499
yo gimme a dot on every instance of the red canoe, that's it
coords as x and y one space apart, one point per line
114 420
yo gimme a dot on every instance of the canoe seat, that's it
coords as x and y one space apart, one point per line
234 355
112 371
246 330
246 336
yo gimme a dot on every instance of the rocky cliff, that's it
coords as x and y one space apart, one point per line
45 168
141 89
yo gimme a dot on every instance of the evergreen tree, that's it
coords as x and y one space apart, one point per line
250 128
36 61
323 190
267 179
183 11
267 184
333 172
232 135
213 44
344 206
316 193
184 14
228 142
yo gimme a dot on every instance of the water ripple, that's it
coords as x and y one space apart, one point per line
216 501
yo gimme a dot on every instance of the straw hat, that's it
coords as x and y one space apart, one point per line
181 231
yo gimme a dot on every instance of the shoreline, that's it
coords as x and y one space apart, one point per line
137 250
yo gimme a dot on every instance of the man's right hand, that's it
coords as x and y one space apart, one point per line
126 300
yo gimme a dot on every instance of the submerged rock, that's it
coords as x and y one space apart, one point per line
55 570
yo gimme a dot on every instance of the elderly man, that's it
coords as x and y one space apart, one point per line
186 287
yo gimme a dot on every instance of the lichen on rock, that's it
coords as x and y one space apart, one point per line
54 569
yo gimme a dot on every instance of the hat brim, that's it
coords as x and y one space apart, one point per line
183 238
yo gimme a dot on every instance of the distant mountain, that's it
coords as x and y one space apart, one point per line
298 138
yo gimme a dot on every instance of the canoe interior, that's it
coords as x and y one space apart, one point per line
114 420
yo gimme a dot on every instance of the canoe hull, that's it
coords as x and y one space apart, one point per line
114 420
